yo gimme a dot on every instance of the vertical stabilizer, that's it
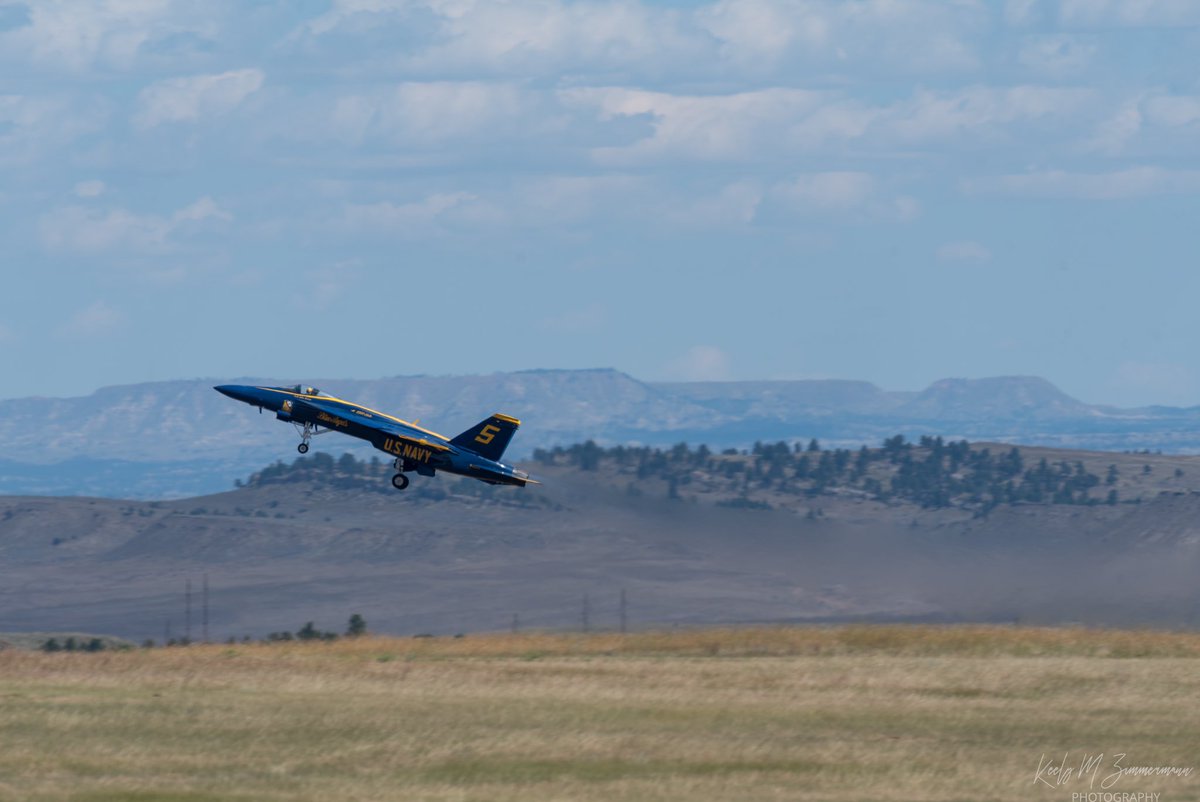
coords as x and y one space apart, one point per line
489 437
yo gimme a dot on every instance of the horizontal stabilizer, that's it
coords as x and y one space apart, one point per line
494 477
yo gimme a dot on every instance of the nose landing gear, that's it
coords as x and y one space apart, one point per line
307 432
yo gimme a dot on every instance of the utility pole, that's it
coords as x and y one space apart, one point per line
204 608
187 610
587 614
624 619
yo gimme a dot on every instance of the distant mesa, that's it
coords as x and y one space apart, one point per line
999 397
178 438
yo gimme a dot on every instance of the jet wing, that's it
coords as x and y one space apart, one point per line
384 433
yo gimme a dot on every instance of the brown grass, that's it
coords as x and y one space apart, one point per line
885 713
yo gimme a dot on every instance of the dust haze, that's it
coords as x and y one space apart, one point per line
1000 569
558 557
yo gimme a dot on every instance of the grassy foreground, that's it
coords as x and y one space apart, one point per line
851 713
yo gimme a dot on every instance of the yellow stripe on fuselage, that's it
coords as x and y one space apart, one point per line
352 405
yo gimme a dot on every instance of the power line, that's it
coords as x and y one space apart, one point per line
204 607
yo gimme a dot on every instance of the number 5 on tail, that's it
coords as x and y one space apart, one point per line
488 434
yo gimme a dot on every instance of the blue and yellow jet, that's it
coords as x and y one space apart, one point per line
475 453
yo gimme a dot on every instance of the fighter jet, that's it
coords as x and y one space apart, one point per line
475 453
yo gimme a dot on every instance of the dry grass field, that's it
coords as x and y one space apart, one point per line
847 713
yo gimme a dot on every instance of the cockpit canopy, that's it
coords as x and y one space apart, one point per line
305 390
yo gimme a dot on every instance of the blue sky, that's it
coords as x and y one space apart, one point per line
892 190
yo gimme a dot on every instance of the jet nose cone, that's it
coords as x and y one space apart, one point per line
235 391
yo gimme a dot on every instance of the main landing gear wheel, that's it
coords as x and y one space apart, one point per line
307 432
399 481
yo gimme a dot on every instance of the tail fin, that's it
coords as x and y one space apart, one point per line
490 437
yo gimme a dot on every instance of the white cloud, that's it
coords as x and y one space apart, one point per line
831 191
458 120
700 363
90 230
1057 56
96 320
734 204
351 119
1129 13
853 194
1146 121
561 204
557 199
525 36
342 11
1113 134
761 125
203 209
84 229
196 97
89 189
1135 182
1173 111
904 36
543 33
709 128
963 251
424 217
431 113
552 38
1022 12
34 127
639 201
75 35
756 30
571 204
981 114
362 15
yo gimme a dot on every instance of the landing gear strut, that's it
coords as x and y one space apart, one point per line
307 432
399 481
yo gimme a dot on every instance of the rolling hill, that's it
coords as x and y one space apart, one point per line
323 538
